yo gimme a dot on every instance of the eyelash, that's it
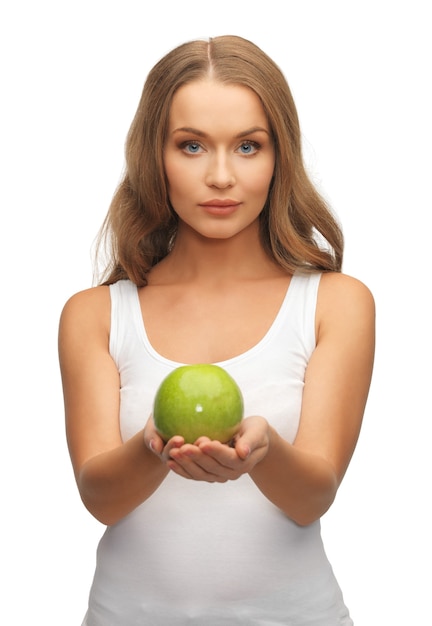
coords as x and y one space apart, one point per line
254 144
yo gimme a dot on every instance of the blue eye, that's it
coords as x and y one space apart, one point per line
192 147
249 147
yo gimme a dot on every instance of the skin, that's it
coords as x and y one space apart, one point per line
217 271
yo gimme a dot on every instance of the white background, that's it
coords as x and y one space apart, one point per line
72 74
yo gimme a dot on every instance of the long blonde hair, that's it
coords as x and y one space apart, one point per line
298 230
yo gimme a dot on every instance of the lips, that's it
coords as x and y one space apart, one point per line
220 203
220 207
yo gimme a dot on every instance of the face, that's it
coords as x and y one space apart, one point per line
218 157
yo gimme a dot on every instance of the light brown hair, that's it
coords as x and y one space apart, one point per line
298 229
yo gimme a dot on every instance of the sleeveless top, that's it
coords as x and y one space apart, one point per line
206 554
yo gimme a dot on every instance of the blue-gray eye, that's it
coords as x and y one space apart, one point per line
192 147
248 147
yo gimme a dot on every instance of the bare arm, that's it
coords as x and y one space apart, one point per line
112 477
302 478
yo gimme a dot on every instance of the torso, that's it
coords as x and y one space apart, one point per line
195 323
188 518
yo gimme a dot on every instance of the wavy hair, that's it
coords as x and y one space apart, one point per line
298 229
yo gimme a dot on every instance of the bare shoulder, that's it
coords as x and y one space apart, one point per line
87 309
344 300
339 288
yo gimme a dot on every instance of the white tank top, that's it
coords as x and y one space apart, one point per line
206 554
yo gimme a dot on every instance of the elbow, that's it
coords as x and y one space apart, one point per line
94 497
309 515
99 510
312 507
100 513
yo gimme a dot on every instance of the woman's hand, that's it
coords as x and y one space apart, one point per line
156 444
213 461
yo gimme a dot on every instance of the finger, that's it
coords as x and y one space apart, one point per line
224 454
200 465
192 471
243 449
174 443
156 445
252 437
202 440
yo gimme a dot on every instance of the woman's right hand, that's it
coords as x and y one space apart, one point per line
156 444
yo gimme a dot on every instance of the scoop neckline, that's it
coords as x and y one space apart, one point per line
139 319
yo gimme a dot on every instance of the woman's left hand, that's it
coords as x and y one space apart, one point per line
213 461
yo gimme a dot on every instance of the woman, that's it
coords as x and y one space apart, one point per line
221 251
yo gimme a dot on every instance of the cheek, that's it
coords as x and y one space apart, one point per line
261 181
179 176
258 174
170 172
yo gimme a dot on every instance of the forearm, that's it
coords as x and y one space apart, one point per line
301 484
114 483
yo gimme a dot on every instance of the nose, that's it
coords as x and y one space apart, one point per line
220 172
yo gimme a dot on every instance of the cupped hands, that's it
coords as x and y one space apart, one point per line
213 461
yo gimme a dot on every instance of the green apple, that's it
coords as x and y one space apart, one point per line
198 400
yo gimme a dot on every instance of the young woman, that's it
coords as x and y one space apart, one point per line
221 251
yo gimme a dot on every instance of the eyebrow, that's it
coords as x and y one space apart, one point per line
200 133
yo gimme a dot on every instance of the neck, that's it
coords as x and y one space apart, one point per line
197 258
